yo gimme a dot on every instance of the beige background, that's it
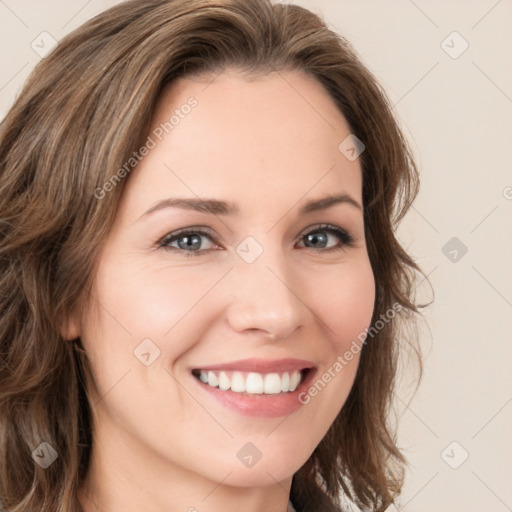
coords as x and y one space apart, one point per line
457 111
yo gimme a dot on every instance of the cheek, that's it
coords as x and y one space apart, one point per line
153 301
344 300
345 310
136 310
132 304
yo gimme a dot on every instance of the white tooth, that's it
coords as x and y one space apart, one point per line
285 382
254 383
203 376
212 379
237 382
294 380
272 384
224 382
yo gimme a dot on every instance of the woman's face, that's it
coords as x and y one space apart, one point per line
170 311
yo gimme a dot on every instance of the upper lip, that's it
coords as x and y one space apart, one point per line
261 365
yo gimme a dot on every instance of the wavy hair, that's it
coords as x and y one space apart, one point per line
83 111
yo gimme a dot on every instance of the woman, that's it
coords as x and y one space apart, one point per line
201 284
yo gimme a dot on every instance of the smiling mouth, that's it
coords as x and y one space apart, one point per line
252 383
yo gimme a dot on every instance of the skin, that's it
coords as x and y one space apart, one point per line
160 443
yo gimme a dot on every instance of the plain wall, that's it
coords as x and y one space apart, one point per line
456 108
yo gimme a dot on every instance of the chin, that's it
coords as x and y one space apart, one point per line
261 477
266 471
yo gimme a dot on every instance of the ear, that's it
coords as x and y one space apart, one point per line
70 328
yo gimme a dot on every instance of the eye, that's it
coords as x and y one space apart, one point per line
188 241
319 237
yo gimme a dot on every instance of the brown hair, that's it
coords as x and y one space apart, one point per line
84 110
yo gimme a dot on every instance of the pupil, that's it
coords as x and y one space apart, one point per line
193 241
315 238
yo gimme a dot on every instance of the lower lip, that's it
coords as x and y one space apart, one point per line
260 405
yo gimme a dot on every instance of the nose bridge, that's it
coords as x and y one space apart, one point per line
264 289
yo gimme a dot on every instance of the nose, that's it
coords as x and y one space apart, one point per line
266 297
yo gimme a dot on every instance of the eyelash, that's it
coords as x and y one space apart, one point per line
344 236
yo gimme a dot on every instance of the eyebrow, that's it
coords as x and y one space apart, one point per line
216 207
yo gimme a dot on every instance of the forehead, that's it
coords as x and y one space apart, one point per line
276 134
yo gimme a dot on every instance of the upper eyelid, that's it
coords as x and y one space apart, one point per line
194 229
